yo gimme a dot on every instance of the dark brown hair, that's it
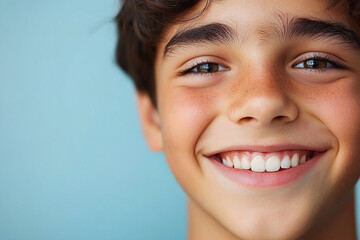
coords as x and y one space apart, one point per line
141 24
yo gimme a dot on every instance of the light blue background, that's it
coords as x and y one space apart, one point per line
73 162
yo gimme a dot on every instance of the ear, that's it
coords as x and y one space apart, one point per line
150 121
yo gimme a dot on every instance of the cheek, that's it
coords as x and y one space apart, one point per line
342 112
185 114
338 107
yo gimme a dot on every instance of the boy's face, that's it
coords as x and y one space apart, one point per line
260 82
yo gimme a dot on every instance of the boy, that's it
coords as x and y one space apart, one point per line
255 104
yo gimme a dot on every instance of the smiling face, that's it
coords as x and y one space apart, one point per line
258 114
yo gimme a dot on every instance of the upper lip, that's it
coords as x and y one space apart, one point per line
266 148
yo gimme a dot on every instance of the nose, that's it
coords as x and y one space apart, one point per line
262 102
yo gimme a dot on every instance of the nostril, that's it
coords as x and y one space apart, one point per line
264 110
247 119
277 119
280 118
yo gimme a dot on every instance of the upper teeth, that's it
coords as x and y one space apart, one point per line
260 162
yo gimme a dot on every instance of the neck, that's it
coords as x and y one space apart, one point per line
338 224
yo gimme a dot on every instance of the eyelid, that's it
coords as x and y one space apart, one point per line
191 69
189 65
332 59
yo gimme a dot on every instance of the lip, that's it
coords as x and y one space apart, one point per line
252 179
266 149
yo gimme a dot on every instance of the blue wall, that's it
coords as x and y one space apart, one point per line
73 163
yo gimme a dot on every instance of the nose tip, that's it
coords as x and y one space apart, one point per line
265 109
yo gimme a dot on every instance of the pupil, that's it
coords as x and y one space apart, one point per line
315 63
207 68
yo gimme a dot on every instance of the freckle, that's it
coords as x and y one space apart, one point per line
202 96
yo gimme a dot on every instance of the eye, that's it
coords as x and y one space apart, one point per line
318 63
206 68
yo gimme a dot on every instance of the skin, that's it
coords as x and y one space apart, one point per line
262 96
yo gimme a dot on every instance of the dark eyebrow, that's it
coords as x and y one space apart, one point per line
214 32
295 28
304 27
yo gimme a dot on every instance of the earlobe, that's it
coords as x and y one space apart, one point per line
150 121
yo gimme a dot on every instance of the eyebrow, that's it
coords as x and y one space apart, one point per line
213 33
304 27
295 28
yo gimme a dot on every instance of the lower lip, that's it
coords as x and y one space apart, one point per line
267 179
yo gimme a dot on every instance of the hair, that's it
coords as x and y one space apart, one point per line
141 25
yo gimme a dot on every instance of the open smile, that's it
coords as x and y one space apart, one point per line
261 162
265 168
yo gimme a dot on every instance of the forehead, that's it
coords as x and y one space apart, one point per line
246 10
258 16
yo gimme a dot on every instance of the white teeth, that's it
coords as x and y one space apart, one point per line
303 159
258 164
245 163
225 162
273 164
285 163
229 162
295 160
237 162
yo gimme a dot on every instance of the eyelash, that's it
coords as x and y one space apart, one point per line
316 57
319 57
190 70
